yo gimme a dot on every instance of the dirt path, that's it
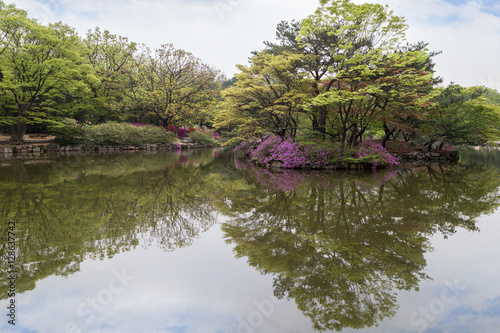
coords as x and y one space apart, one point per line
4 139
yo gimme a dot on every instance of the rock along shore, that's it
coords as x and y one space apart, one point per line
37 149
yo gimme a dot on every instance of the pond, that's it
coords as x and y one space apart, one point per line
202 242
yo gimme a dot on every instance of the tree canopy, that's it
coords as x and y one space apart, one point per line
338 75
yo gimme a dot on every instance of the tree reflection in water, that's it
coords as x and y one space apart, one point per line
339 244
100 205
342 244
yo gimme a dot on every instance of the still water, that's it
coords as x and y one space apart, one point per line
202 242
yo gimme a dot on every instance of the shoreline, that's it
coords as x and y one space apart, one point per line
43 149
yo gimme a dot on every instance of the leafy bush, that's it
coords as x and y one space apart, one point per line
202 137
67 132
113 133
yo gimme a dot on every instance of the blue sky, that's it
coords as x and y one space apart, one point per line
224 32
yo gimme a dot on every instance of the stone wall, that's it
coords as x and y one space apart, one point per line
420 155
39 149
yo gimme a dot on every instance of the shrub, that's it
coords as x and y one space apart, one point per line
67 131
181 132
113 133
171 128
202 137
305 155
370 152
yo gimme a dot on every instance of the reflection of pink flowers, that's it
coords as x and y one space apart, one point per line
290 180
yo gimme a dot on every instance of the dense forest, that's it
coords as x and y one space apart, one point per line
340 75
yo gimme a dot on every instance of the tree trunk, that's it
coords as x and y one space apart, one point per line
354 134
388 133
322 121
314 120
17 132
430 143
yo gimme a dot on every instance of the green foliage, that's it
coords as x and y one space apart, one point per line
173 84
39 66
67 131
462 116
268 96
114 133
203 137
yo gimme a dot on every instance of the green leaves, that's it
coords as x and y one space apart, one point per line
39 66
268 95
172 83
462 116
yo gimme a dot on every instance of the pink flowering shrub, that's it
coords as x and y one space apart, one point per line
291 153
171 128
373 153
181 132
296 155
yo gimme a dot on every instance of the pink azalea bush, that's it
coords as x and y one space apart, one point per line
295 155
181 132
291 153
373 153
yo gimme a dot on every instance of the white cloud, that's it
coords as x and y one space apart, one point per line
224 32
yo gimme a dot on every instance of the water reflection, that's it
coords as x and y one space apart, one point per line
342 247
95 206
338 244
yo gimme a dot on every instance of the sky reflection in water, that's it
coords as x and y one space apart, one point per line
178 243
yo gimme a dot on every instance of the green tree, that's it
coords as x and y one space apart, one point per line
339 35
462 116
172 84
38 63
110 56
267 97
381 89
